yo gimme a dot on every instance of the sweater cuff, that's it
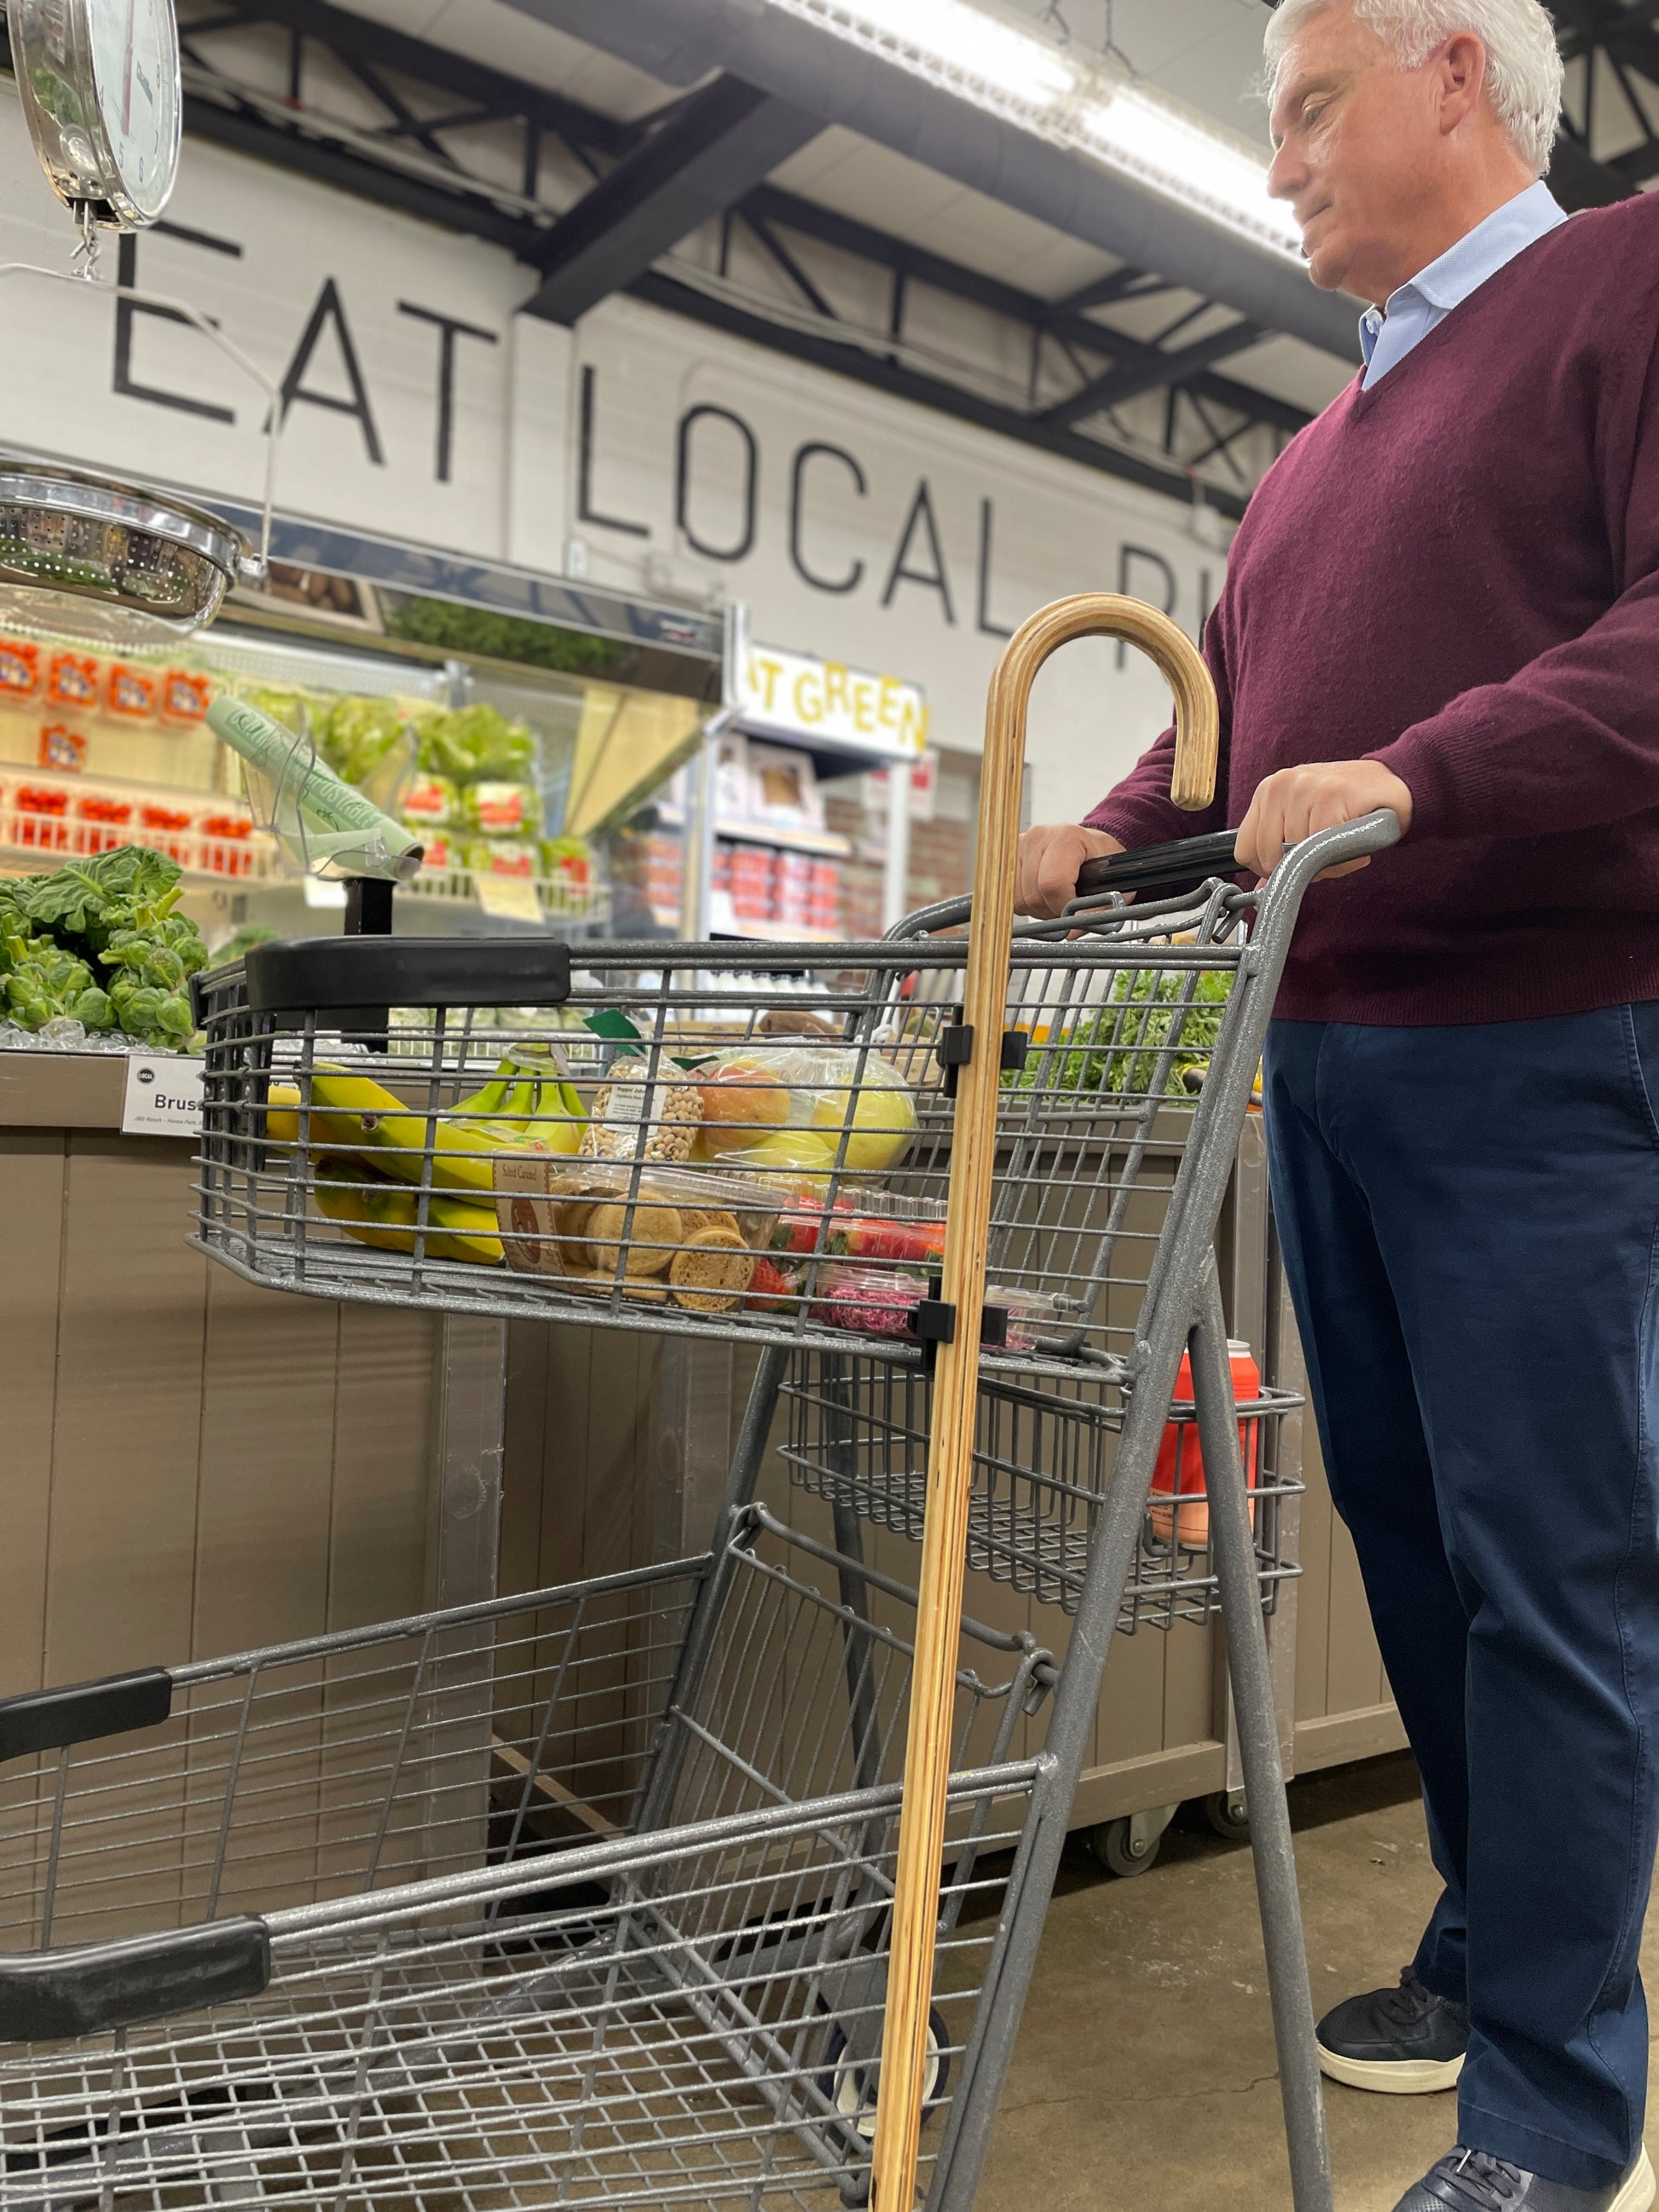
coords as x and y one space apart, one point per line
1134 822
1417 758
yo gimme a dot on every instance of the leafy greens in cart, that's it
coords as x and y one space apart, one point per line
97 940
1118 1046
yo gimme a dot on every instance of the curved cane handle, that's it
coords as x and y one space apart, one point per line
1105 614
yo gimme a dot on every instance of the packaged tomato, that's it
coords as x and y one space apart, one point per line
132 692
882 1301
101 824
166 830
1179 1472
72 680
40 813
224 844
20 668
185 697
61 747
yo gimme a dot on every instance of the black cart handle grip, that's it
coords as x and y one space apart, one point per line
55 1996
81 1712
1186 861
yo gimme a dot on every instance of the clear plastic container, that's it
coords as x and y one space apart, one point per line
663 1235
882 1301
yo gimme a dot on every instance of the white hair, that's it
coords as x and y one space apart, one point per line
1523 64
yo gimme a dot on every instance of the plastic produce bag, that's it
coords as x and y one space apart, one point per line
431 802
785 1108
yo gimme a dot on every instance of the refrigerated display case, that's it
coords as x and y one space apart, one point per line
98 749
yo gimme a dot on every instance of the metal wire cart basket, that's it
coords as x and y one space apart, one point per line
721 1882
534 1902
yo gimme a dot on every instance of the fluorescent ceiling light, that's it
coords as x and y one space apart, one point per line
976 48
1169 150
1072 99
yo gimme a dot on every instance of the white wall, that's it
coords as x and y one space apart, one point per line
292 256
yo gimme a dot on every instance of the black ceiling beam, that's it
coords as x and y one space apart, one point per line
356 38
883 375
1616 28
711 150
1123 283
1151 372
830 227
247 130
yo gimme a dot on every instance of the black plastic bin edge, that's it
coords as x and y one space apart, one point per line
328 974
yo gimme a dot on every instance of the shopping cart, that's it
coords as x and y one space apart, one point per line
746 1991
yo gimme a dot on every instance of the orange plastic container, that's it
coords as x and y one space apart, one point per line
1179 1472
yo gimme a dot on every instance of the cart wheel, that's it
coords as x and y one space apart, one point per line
1120 1850
1228 1815
846 2082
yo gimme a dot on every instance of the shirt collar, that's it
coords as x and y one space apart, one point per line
1463 268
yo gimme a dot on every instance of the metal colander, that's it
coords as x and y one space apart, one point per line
91 555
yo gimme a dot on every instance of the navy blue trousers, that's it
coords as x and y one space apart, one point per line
1470 1223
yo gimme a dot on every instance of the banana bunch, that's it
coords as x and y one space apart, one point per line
369 1148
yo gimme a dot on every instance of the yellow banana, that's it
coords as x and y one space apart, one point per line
360 1114
384 1214
282 1113
331 1135
469 1232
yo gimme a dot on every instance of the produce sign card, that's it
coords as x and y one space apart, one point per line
163 1097
514 898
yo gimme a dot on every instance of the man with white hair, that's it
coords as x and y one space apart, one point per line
1444 599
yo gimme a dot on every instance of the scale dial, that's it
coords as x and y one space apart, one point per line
101 92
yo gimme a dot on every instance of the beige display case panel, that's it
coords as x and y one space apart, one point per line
191 1467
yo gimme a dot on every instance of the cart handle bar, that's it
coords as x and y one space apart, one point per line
1186 861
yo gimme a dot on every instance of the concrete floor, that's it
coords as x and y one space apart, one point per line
1144 2074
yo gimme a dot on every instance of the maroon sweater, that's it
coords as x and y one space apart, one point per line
1457 573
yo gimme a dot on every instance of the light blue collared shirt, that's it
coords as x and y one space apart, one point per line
1388 335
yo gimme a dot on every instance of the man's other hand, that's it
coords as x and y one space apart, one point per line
1049 857
1294 802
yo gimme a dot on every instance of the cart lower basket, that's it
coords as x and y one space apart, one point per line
577 1897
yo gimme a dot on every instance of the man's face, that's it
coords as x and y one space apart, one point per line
1358 146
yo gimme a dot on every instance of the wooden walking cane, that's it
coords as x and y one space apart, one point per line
956 1380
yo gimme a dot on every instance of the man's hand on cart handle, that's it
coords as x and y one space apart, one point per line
1050 856
1292 803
